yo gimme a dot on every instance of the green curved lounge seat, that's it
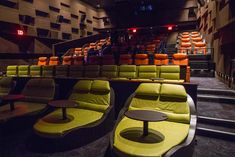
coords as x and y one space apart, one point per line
166 98
38 92
35 70
95 103
76 70
109 71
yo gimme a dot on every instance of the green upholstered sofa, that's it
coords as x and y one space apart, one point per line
93 116
37 93
178 129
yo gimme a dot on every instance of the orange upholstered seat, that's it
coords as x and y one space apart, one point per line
141 59
195 35
194 32
185 47
185 39
185 33
42 61
54 60
161 59
185 36
78 60
94 60
125 59
67 60
78 51
108 60
197 39
182 59
200 47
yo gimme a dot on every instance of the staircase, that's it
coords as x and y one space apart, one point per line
216 113
170 50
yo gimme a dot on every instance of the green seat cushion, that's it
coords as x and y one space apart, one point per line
100 86
52 125
148 89
35 70
109 71
171 72
92 71
76 71
148 71
12 70
174 134
127 71
91 106
61 70
172 92
23 70
83 86
21 109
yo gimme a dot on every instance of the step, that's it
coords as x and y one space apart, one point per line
216 98
208 132
224 92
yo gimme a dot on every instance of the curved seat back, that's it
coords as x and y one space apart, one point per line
109 71
148 71
67 60
141 59
127 71
180 59
171 72
42 61
54 60
23 70
35 70
92 95
39 90
12 70
161 59
92 71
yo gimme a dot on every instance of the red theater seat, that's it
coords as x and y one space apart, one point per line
141 59
67 60
78 60
161 59
54 60
42 61
200 48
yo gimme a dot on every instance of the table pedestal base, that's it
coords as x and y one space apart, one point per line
136 134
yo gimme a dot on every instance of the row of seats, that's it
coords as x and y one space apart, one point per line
93 114
191 42
139 59
171 72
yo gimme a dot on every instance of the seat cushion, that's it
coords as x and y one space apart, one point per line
171 92
174 134
149 71
52 125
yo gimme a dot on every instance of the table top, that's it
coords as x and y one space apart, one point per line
146 115
63 103
13 97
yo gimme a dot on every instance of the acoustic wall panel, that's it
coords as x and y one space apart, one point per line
55 3
42 23
9 15
26 8
42 5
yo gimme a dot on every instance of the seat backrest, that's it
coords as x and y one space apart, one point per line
148 71
12 70
109 71
61 70
92 95
78 60
48 70
161 59
23 70
76 71
67 60
35 70
180 59
42 61
170 99
171 72
54 60
125 59
127 71
141 59
173 102
6 84
92 71
39 90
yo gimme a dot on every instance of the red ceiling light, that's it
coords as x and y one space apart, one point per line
169 28
134 30
20 32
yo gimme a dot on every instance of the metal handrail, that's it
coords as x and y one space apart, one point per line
231 70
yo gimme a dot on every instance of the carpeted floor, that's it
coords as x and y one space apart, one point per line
18 144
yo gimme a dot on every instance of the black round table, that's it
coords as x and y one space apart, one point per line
63 104
11 98
144 135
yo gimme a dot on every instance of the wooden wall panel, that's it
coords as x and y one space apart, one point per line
42 5
26 8
9 15
42 23
55 3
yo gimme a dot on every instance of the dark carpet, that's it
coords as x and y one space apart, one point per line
208 82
